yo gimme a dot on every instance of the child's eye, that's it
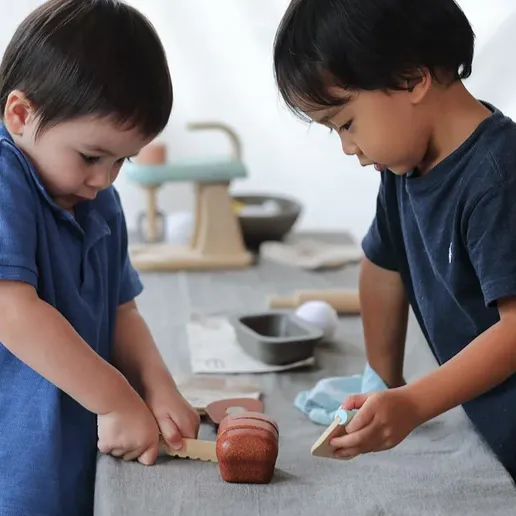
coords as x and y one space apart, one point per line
346 126
90 160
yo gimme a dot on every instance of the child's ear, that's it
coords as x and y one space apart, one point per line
419 86
18 112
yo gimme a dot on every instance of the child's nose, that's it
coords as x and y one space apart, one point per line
348 147
100 179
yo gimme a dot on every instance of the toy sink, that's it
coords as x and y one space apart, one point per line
276 338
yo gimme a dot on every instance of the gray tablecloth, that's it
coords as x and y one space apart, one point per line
443 468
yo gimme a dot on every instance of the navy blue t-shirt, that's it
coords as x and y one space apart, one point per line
79 266
451 234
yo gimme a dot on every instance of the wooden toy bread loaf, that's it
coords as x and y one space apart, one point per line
247 448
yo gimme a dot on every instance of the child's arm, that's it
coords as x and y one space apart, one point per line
38 335
136 355
482 365
384 309
386 418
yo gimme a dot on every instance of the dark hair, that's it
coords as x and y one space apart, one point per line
367 45
74 58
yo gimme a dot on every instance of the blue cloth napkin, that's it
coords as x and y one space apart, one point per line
322 402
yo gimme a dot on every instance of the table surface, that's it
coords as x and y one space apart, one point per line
442 468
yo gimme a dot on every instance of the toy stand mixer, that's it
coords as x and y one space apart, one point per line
217 241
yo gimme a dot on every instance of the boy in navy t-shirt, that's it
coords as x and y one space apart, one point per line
387 76
84 85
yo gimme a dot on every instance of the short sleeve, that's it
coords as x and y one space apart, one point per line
378 244
18 220
130 283
491 242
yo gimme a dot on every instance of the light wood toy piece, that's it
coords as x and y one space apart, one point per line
194 449
218 410
321 447
345 302
217 241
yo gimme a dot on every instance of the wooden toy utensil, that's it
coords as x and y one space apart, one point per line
218 410
321 447
194 449
343 301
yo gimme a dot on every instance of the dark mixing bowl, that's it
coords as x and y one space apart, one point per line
257 229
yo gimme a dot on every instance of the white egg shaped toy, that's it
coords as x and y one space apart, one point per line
321 315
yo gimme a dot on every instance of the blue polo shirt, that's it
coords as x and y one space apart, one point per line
451 234
80 267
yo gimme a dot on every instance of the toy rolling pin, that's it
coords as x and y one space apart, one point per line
343 301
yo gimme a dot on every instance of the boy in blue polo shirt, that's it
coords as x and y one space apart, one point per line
84 85
387 75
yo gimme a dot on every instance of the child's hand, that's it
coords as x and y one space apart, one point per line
383 421
130 433
175 416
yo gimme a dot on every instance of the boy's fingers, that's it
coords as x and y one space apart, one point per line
347 454
360 420
149 456
360 440
131 455
189 427
354 401
170 432
104 447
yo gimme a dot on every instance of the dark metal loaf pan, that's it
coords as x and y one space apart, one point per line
275 337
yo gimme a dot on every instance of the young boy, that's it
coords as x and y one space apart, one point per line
387 76
84 85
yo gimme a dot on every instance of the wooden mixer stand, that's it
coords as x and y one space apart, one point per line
217 241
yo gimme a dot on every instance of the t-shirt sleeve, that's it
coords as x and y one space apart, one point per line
18 220
130 283
491 242
378 244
